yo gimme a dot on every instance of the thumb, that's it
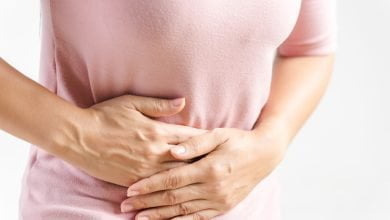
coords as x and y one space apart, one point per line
156 107
196 146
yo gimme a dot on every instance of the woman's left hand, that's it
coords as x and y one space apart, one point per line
235 161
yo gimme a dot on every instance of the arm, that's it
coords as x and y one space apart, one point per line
31 112
302 69
297 86
113 140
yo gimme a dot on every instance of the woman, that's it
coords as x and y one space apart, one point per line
166 109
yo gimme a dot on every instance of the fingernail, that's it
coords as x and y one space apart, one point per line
126 207
132 193
177 102
143 218
179 149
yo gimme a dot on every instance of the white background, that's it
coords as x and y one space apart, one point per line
338 166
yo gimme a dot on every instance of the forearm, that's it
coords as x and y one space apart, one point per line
297 86
31 112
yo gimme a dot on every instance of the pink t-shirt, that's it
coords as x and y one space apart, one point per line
218 54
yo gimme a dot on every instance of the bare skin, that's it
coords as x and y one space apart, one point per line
234 160
115 140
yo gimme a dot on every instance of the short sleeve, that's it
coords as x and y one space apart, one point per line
315 32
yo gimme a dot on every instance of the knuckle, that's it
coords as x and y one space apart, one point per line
183 209
196 145
158 105
151 150
149 154
170 197
220 170
192 146
149 157
139 204
215 171
172 181
96 114
227 203
154 132
148 187
140 135
176 137
130 101
158 130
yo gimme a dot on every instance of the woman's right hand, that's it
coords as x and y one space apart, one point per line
113 140
116 142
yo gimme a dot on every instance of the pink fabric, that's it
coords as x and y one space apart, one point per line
218 54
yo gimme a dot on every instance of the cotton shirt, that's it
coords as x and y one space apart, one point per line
218 54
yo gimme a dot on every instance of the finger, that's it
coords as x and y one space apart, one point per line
198 145
166 212
163 155
203 214
166 158
175 134
156 107
174 164
163 198
169 179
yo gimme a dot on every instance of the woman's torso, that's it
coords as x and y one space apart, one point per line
217 54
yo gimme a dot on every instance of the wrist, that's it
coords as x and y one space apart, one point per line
64 138
275 131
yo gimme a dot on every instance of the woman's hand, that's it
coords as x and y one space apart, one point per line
211 186
113 140
117 143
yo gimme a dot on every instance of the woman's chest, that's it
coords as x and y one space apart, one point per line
90 23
